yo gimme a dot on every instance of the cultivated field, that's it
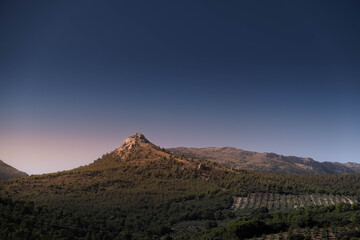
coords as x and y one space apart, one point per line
274 201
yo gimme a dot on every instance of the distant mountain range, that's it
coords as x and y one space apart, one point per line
236 159
265 162
8 172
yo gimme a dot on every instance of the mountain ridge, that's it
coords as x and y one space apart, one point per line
9 172
265 162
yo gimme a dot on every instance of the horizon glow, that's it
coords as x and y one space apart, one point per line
78 78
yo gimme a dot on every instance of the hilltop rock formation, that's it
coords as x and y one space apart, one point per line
136 140
132 141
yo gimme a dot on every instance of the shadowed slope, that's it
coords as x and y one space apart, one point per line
8 172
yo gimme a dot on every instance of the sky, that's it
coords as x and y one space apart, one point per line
78 77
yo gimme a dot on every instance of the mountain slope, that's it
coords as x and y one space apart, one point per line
137 166
140 190
139 187
265 162
8 172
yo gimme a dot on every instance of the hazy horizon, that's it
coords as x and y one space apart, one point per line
78 78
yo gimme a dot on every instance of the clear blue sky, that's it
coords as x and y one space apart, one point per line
78 77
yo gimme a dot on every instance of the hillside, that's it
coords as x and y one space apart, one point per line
265 162
8 172
138 188
141 191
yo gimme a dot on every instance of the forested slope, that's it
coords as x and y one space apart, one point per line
143 191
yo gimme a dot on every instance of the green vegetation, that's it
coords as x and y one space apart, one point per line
23 220
303 223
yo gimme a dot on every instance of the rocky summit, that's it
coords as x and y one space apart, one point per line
137 139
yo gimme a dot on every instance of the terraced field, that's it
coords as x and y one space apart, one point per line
274 201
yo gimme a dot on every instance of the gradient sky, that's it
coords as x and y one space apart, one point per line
78 77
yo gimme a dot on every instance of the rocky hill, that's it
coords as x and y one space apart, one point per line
265 162
142 191
138 188
8 172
